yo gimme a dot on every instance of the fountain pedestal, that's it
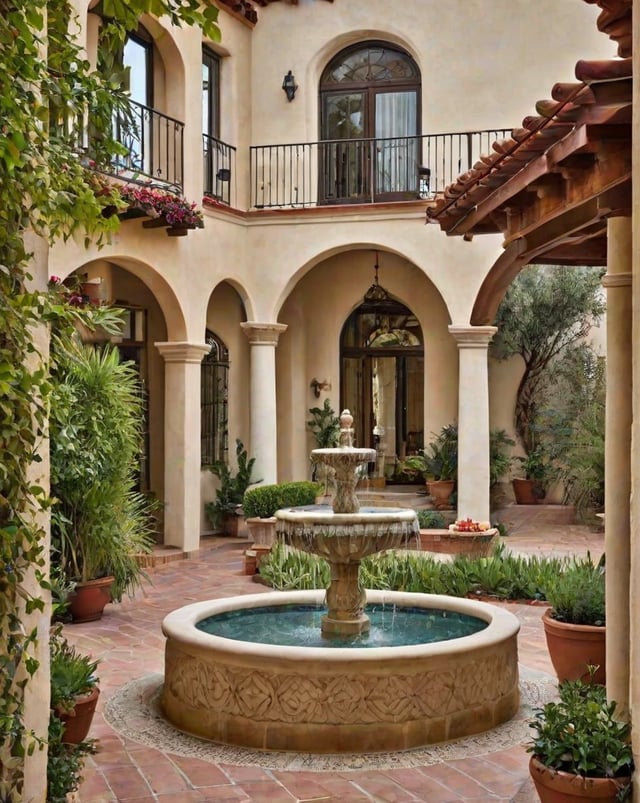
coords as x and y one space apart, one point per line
343 540
343 535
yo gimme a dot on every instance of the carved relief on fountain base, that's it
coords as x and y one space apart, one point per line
289 698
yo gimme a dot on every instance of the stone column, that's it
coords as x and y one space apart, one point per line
473 420
617 498
263 338
182 443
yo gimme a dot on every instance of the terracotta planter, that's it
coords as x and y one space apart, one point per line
554 786
452 543
234 525
524 491
262 531
440 492
573 647
78 721
88 600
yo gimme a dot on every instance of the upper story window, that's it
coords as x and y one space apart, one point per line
138 58
210 93
369 118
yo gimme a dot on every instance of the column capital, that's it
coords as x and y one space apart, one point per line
473 337
181 351
616 280
263 334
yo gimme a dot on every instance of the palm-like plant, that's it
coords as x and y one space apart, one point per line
99 521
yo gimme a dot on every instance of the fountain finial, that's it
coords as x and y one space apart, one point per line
346 430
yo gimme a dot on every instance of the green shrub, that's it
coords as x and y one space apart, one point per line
581 734
502 575
232 488
430 520
577 593
72 672
263 502
64 762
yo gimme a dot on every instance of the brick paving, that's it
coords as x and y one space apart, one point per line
130 644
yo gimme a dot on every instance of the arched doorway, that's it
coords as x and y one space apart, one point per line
369 113
382 377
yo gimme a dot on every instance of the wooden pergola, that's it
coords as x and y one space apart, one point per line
552 186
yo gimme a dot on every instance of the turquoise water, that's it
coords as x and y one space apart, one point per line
299 626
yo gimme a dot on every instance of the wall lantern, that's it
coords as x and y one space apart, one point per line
317 385
289 85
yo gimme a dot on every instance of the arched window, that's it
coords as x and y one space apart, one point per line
369 113
214 385
382 376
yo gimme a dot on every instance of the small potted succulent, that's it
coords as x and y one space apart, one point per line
74 688
580 751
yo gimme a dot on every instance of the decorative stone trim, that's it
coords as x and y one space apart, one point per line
263 334
473 337
182 351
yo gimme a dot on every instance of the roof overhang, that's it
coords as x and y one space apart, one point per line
551 187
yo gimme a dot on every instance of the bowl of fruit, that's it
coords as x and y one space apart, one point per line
470 526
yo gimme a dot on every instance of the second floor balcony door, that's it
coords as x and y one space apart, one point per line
138 58
369 125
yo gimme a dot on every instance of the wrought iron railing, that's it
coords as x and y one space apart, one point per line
371 170
154 144
219 170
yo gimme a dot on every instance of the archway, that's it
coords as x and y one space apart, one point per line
382 376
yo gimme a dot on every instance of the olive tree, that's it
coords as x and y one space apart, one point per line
545 311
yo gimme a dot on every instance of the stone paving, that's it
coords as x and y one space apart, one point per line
130 643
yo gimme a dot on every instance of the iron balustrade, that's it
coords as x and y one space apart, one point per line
219 169
372 170
154 144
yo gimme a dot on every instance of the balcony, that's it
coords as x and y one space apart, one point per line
154 145
219 170
362 171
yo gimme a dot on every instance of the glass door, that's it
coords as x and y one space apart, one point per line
397 146
345 158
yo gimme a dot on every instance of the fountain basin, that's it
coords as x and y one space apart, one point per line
311 699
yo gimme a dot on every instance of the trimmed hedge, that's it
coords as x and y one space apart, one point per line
263 501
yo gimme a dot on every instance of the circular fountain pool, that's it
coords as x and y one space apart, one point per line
342 699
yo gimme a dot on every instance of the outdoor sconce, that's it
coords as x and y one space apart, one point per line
289 85
318 385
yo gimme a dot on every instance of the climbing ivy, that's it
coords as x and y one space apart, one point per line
47 88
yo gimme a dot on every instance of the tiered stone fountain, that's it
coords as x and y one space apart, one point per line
344 535
346 695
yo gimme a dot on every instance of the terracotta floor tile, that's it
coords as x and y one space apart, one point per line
130 644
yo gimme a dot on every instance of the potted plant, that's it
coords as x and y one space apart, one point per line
530 488
260 504
438 464
325 425
580 751
575 624
74 688
100 522
225 512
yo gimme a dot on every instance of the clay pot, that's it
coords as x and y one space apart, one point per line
554 786
524 491
574 647
78 721
88 600
440 492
